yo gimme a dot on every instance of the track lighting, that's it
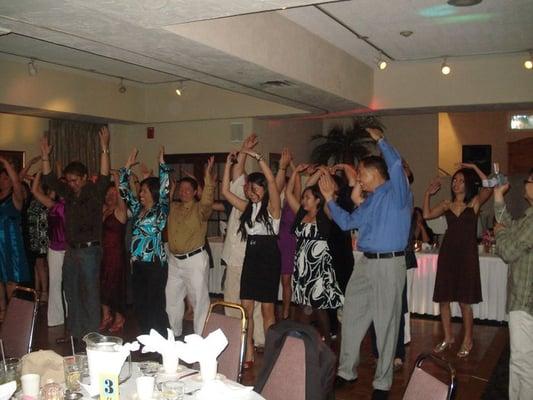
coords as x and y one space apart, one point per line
445 68
121 88
528 64
382 64
32 68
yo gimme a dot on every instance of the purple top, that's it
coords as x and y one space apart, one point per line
287 240
56 226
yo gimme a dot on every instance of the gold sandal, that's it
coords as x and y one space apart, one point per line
442 346
464 351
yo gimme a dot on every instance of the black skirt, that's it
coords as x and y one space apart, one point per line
261 269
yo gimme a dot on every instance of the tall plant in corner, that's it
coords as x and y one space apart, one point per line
345 145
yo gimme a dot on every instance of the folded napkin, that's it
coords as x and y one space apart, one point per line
7 390
168 348
46 363
198 349
223 390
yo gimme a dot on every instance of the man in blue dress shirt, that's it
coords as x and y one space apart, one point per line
374 292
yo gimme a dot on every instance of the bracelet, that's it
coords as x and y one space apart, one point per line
259 157
105 151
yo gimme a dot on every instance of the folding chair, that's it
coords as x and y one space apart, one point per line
287 378
424 386
19 323
231 360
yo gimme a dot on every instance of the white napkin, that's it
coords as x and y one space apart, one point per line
196 348
168 348
223 390
7 390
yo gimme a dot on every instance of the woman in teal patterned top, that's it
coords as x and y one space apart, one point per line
150 269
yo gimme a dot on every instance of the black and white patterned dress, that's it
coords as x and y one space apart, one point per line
313 282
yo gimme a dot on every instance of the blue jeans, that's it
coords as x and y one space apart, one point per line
81 283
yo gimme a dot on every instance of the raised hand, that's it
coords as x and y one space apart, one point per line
209 174
374 133
104 137
349 170
286 158
433 187
250 142
46 147
132 158
161 154
232 157
300 168
327 186
357 194
35 160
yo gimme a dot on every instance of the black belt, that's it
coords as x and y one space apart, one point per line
385 255
187 255
84 245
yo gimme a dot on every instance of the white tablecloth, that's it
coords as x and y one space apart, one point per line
128 389
421 282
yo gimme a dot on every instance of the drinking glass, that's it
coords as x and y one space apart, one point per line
172 390
73 367
11 371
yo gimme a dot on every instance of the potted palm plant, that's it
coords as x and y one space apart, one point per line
345 145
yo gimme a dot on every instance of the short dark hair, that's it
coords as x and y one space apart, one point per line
192 181
152 183
377 163
76 168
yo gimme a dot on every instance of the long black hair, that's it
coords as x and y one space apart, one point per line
323 223
262 217
471 184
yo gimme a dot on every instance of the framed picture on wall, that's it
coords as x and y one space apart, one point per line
520 122
14 157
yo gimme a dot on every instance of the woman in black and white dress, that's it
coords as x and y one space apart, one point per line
259 224
314 283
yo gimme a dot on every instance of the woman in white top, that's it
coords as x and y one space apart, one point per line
259 224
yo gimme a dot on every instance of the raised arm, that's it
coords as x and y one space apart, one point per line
208 193
24 172
104 157
294 202
239 168
485 193
18 197
122 210
124 188
164 181
235 201
274 204
428 212
284 162
37 192
349 171
342 218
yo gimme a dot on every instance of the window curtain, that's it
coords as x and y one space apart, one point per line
75 141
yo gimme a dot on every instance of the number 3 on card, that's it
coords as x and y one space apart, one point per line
109 387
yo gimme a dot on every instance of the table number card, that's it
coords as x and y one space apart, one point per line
108 385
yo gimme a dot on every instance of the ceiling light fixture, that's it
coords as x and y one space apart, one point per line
382 63
463 3
179 88
406 34
445 68
528 64
121 88
32 68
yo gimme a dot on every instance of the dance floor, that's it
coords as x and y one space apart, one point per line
473 373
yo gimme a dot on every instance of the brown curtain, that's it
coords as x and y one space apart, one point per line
75 141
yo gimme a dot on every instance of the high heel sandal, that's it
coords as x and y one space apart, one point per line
105 323
442 346
118 325
464 351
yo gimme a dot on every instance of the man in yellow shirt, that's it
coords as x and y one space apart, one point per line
188 261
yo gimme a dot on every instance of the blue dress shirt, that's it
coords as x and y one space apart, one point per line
384 218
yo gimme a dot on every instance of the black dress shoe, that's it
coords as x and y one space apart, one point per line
341 382
380 394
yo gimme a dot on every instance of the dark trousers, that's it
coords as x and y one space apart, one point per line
81 282
149 282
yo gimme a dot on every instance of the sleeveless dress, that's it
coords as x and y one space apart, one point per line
313 282
458 277
287 240
113 267
13 263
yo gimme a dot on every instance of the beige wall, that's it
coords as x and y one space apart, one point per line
458 129
22 133
498 79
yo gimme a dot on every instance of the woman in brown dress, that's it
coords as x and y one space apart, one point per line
458 276
113 267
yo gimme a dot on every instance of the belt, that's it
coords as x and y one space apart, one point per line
84 245
187 255
384 255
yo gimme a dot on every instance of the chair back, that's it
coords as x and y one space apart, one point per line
424 386
287 379
19 323
230 361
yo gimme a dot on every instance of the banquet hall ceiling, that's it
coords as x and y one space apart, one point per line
140 40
